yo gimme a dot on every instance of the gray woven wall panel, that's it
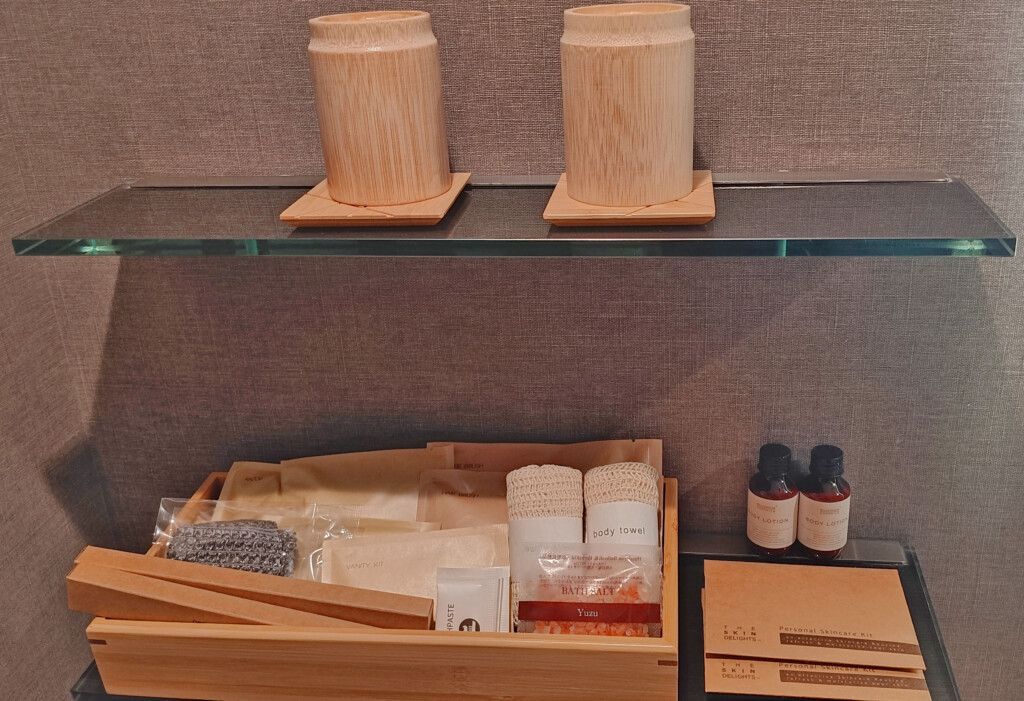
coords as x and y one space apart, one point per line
52 502
181 366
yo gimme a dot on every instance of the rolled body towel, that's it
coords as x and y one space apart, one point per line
622 503
545 504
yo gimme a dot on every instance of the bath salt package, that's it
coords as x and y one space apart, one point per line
589 589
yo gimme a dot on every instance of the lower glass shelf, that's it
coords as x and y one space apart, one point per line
858 553
780 215
694 549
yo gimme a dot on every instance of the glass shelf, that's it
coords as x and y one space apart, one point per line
778 215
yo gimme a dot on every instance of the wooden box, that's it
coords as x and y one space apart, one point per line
222 661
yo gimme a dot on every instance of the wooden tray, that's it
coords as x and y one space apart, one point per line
316 208
696 208
223 661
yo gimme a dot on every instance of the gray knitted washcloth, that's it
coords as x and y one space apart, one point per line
249 545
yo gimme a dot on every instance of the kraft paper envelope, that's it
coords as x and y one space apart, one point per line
806 613
813 681
407 564
381 484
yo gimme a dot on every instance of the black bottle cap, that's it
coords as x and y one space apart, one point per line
826 461
775 459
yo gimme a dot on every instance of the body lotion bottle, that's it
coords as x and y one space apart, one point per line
772 502
824 505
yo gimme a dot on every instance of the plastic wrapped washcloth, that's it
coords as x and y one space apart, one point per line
249 545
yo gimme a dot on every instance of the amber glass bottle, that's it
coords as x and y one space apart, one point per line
824 505
772 502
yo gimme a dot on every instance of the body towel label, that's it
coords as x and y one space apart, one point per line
623 522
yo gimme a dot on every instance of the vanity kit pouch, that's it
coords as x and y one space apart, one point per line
238 661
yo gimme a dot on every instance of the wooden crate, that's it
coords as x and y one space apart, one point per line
220 661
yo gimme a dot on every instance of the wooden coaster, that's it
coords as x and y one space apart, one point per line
316 208
696 208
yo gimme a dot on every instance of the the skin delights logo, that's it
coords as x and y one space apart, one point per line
738 669
470 624
740 633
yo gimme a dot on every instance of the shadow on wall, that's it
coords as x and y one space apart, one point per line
220 360
80 484
214 361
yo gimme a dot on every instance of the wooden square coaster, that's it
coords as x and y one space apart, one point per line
696 208
316 208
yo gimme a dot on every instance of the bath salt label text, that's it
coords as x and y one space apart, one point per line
823 524
771 523
623 522
596 612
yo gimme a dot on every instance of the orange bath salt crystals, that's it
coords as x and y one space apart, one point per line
591 589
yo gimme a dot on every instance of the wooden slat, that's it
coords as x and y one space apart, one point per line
108 592
231 662
366 606
670 612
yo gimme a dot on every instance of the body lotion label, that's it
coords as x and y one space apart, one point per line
823 524
771 523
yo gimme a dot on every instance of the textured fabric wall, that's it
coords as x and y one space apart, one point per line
181 366
52 502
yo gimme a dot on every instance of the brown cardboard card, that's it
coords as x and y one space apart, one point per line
505 457
724 675
803 613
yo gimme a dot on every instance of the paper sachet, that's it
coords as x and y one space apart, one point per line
407 564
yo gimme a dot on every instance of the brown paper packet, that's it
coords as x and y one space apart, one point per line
813 681
254 483
462 498
829 615
505 457
379 484
407 564
382 526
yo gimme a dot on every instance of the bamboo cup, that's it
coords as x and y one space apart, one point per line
377 84
627 91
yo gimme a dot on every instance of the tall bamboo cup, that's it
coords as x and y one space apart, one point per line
377 84
627 91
